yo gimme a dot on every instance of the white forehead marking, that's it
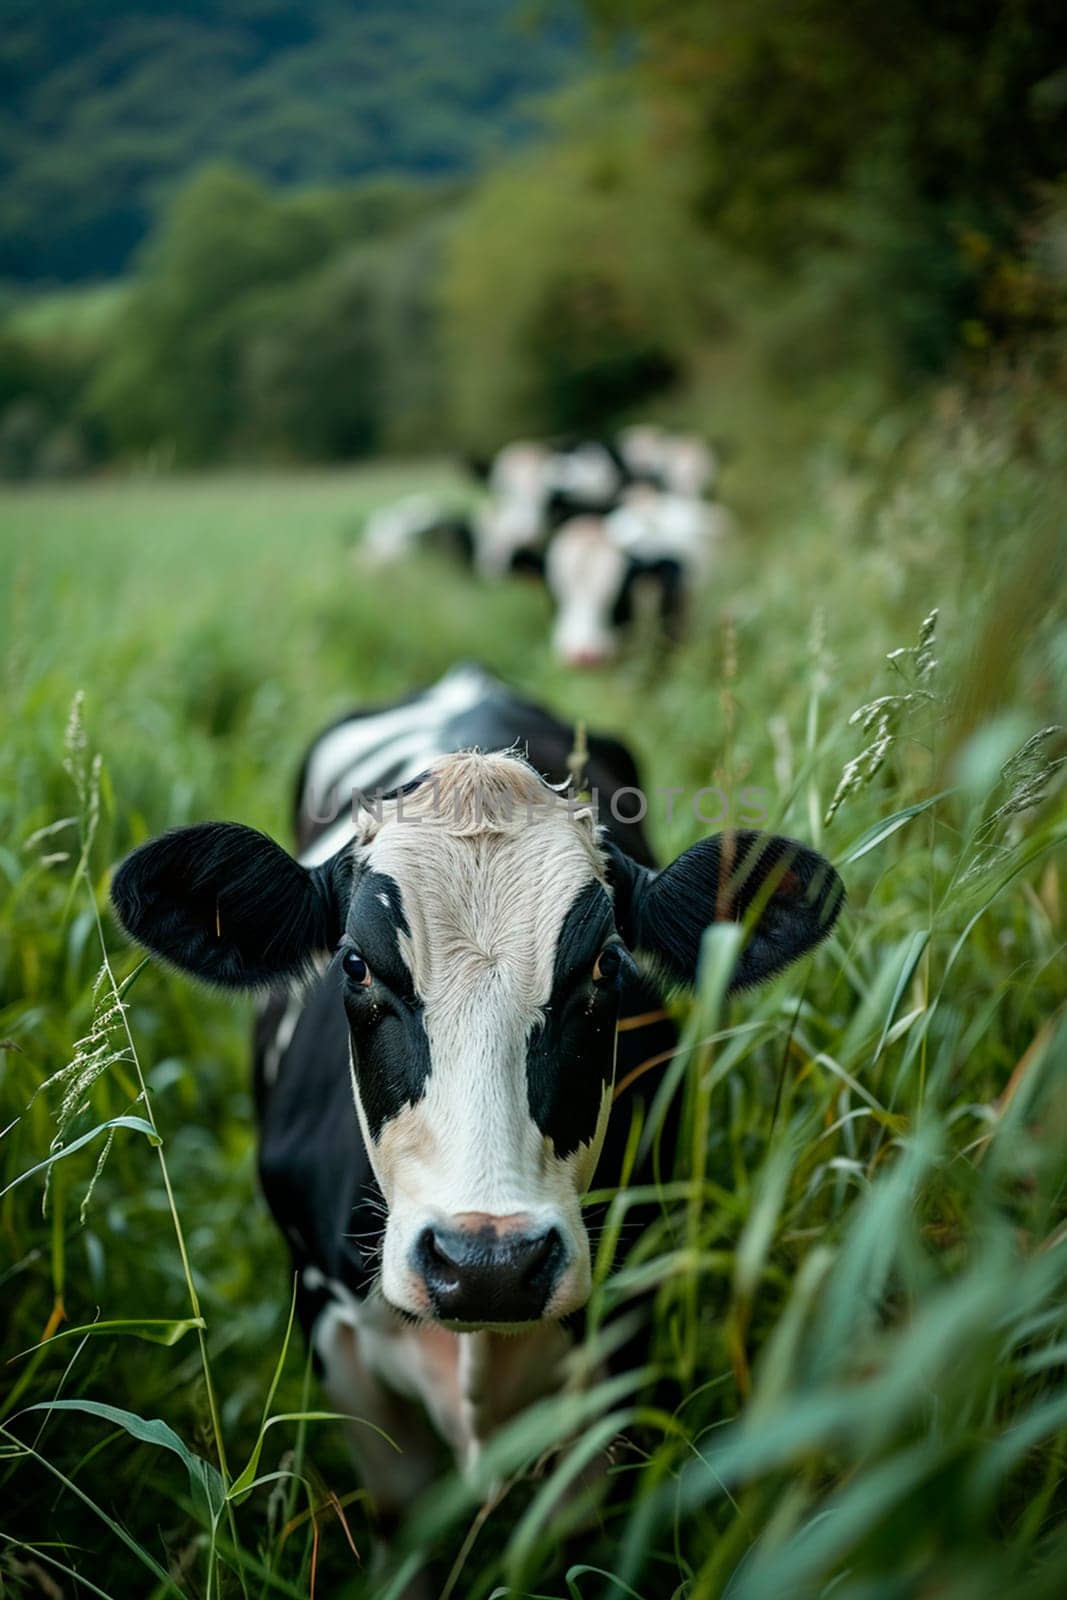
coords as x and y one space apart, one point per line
485 886
488 860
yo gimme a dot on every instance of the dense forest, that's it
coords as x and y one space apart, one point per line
105 106
860 197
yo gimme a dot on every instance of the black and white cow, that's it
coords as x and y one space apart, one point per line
592 473
678 463
596 569
534 486
417 523
603 522
436 1059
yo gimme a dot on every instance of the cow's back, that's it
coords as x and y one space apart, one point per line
376 751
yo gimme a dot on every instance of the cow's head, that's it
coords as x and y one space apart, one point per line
586 573
481 934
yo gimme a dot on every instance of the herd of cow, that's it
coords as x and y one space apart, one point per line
460 982
609 526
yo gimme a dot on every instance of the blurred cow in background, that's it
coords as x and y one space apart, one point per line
678 463
536 488
586 469
653 550
614 527
418 522
533 487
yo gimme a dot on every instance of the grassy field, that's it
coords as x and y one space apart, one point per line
860 1266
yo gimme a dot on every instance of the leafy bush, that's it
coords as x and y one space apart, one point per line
42 381
867 141
345 362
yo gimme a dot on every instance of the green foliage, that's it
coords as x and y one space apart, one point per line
576 287
346 361
43 378
864 141
237 339
106 107
858 1272
819 193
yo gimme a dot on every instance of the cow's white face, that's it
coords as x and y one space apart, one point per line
482 1029
585 571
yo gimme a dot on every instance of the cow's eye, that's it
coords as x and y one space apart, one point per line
354 967
607 964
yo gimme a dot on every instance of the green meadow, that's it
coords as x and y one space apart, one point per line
857 1279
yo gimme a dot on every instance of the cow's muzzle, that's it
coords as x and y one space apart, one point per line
489 1270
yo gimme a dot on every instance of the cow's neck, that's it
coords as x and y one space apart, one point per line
470 1384
499 1375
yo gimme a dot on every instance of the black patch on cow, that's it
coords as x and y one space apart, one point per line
570 1053
667 575
670 578
402 789
313 1164
622 612
527 562
479 467
390 1050
563 505
451 537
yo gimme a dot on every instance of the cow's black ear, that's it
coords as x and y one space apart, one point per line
228 905
790 895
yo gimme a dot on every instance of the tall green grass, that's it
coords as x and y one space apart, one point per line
858 1270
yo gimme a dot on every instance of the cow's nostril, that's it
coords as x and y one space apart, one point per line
543 1257
433 1247
432 1256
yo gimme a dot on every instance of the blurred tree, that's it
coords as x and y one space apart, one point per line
576 285
310 377
41 385
260 325
171 375
107 106
825 193
884 130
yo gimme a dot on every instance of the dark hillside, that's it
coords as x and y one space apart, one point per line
105 107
